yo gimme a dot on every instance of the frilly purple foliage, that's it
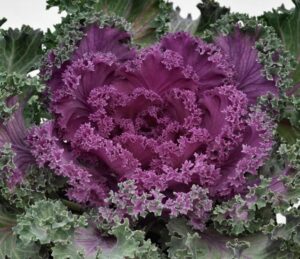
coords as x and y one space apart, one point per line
174 119
131 203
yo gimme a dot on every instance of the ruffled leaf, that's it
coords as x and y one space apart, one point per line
128 203
291 153
47 221
287 235
37 184
248 72
49 152
247 214
277 189
287 27
65 40
210 244
10 245
80 37
11 86
122 242
131 244
183 243
276 62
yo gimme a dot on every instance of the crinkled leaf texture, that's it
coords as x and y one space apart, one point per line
170 131
10 245
250 213
286 24
88 243
185 243
239 47
128 202
47 222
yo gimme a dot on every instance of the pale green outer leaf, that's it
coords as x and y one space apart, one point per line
85 243
60 251
121 243
129 244
13 248
20 49
48 222
10 246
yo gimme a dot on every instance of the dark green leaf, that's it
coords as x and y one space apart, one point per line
2 21
287 131
20 50
210 11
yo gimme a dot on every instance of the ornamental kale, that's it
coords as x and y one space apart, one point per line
170 116
146 135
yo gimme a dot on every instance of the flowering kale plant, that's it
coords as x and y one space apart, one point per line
146 135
